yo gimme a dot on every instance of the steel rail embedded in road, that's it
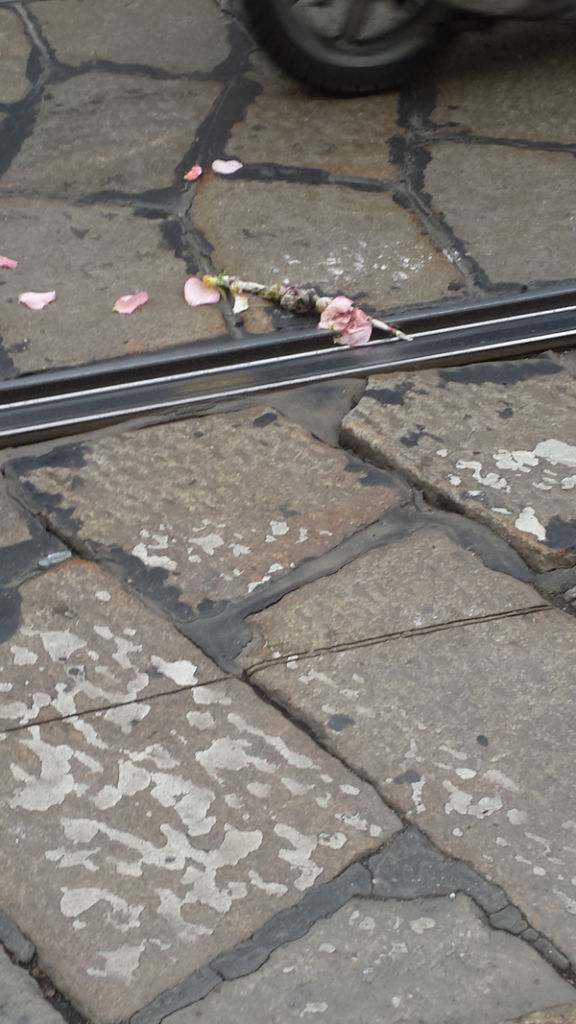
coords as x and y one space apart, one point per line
55 403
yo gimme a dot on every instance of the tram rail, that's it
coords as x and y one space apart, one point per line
60 402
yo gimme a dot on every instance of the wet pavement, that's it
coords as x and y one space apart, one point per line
286 688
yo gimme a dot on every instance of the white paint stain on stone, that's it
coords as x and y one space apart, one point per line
494 480
299 856
528 523
23 656
141 552
209 543
557 452
182 672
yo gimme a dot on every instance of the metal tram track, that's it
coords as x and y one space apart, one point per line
61 402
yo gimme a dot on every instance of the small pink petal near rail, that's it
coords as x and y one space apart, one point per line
194 173
36 300
196 293
7 264
130 303
227 166
353 327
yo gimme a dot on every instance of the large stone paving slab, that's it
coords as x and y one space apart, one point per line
497 441
338 239
498 227
185 39
163 833
432 961
115 132
14 53
469 731
419 583
515 82
21 1001
282 126
81 642
97 254
237 499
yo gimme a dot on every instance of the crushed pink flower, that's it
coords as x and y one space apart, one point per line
36 300
352 326
194 173
7 264
196 293
130 303
226 166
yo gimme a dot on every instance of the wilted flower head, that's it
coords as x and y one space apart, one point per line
352 326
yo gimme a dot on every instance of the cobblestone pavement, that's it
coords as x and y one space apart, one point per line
286 689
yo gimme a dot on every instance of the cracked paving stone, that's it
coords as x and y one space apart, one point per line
429 960
14 54
81 643
499 228
368 244
469 732
421 582
98 253
239 499
186 40
115 132
515 82
282 126
497 441
21 1001
162 833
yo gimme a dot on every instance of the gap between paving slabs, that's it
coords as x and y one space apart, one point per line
447 517
408 868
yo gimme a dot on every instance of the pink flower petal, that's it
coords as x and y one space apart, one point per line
36 300
338 306
130 303
194 173
7 264
226 166
197 293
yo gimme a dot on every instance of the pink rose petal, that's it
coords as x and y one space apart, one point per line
7 264
130 303
194 173
226 166
36 300
197 293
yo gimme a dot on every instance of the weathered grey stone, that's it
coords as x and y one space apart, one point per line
164 832
98 253
335 238
14 526
115 132
21 1001
282 126
555 1015
239 499
504 83
414 584
496 440
410 867
14 53
467 730
14 941
510 919
81 642
194 987
498 228
185 40
428 960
